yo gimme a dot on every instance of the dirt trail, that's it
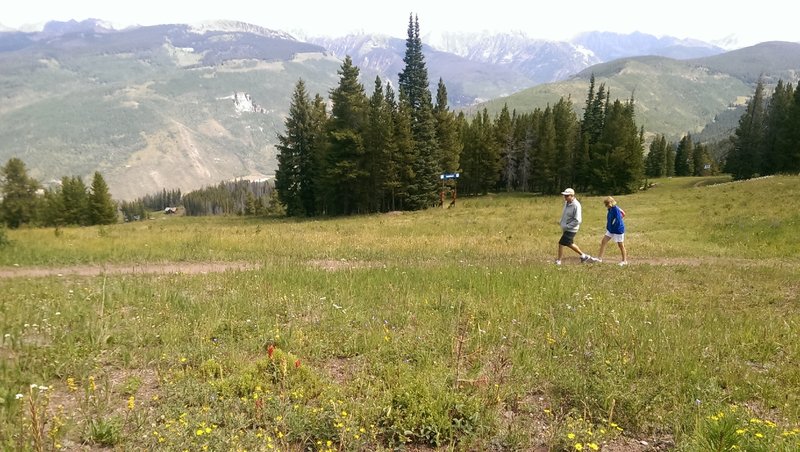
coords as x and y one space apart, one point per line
191 268
119 269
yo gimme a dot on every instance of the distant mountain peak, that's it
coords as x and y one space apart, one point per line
730 42
233 26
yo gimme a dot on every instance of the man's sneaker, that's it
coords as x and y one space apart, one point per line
585 258
597 260
558 262
623 263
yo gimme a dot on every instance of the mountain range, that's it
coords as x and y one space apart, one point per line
186 106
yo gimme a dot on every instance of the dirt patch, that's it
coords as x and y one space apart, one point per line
688 261
117 269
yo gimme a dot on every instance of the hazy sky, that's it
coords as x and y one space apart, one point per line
708 20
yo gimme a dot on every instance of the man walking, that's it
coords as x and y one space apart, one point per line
570 222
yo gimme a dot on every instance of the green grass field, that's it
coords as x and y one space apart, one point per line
448 329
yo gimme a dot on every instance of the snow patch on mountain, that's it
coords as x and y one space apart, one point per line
243 103
232 26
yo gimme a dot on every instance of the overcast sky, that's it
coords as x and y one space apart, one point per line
707 20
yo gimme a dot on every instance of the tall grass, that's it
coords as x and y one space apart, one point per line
444 328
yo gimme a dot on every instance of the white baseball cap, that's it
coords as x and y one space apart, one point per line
568 191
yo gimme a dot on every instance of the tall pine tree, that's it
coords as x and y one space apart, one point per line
656 160
745 158
567 130
102 209
505 145
18 189
415 93
791 150
379 145
297 175
75 200
347 170
684 164
447 132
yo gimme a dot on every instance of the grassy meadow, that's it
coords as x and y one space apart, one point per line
447 329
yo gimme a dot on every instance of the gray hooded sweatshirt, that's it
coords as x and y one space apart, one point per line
571 217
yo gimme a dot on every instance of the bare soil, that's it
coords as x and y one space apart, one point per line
116 269
191 268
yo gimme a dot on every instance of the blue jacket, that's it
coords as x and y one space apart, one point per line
614 223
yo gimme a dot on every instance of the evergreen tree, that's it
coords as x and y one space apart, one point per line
591 158
701 159
18 189
671 158
684 166
527 129
75 200
656 160
745 158
314 178
447 132
790 154
505 145
523 136
133 210
777 145
620 168
402 175
378 143
415 93
595 112
102 209
481 156
347 176
296 175
545 164
567 129
52 212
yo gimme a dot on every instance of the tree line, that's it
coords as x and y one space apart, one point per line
138 208
389 152
767 138
764 142
240 197
686 158
24 201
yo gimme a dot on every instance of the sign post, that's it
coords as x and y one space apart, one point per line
453 177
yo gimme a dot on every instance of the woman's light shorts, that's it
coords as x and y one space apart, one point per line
616 238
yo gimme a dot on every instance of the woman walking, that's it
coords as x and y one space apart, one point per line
615 230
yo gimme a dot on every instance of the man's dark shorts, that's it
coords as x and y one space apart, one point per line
567 238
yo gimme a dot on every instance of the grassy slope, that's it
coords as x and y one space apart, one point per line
386 312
